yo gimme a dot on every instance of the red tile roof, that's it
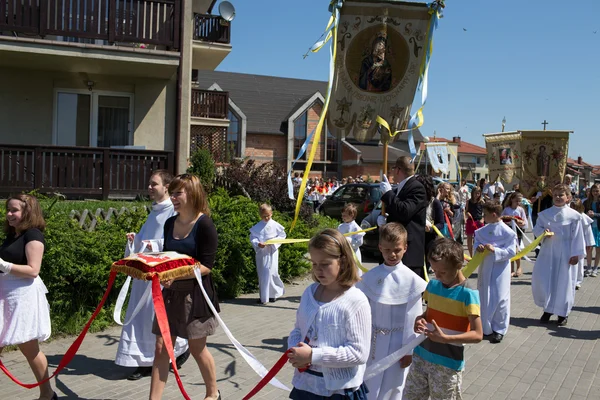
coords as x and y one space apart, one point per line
463 147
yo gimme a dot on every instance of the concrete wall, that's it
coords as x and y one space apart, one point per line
27 105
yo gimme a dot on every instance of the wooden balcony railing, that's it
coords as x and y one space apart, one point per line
138 21
79 171
211 28
210 103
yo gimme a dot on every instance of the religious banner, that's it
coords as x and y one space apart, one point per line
504 156
437 154
381 48
544 159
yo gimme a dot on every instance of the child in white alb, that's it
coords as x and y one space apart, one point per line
394 292
349 225
555 271
588 235
329 345
267 255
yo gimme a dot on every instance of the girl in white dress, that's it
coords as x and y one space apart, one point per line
24 310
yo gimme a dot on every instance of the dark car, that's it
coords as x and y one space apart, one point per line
364 195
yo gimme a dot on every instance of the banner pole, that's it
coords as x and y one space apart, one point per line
385 169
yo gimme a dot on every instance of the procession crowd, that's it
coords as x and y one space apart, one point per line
348 320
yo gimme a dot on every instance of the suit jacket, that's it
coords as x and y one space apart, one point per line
409 207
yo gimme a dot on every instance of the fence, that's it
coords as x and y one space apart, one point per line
79 171
140 21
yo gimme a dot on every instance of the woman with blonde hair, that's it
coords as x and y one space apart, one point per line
24 310
193 233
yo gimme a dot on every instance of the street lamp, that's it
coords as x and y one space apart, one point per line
503 123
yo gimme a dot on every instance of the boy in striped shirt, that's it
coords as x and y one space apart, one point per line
451 320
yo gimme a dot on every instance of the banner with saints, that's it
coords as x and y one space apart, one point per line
380 52
504 156
437 154
544 159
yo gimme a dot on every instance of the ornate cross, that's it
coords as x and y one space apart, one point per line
545 123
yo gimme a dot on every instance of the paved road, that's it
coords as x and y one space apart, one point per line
533 362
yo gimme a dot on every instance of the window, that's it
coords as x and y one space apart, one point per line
478 160
233 136
331 153
300 127
84 118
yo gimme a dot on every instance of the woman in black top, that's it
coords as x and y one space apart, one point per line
24 310
193 233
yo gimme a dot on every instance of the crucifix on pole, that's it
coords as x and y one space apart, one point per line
545 123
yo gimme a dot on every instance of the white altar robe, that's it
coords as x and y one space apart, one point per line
494 276
355 240
588 235
395 297
553 280
267 259
137 343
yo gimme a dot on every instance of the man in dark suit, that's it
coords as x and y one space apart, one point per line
407 205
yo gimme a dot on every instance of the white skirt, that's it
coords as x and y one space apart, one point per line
24 310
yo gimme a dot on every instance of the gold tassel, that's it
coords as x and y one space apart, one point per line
135 273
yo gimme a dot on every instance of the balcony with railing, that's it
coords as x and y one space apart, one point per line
128 22
211 41
79 171
209 104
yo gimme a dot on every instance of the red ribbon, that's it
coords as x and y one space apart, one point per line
270 375
449 225
74 347
163 324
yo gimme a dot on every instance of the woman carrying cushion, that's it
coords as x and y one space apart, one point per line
193 233
24 310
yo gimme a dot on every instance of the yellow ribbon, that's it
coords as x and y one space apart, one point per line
283 241
318 129
479 257
384 123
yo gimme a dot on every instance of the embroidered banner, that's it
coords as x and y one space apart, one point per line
504 156
380 51
437 154
544 160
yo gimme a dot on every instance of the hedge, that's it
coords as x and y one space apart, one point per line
76 263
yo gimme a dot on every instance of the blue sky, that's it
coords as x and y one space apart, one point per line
528 60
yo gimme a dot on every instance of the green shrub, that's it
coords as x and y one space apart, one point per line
203 166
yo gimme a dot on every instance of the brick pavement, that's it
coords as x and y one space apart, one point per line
533 361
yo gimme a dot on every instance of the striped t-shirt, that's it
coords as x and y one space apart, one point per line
450 308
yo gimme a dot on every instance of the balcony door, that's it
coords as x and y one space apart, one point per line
84 118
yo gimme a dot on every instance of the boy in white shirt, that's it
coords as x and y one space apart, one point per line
493 281
394 293
555 271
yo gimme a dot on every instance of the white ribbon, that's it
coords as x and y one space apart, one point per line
386 362
125 289
250 359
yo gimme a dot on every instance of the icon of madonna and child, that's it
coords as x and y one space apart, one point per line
376 70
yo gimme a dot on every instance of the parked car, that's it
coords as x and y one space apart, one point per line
364 195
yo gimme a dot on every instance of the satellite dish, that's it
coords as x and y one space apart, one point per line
227 11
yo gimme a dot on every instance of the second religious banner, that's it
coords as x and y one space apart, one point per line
380 51
544 159
504 156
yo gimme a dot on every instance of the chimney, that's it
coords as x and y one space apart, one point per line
579 160
456 139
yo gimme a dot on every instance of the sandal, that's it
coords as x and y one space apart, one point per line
213 398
